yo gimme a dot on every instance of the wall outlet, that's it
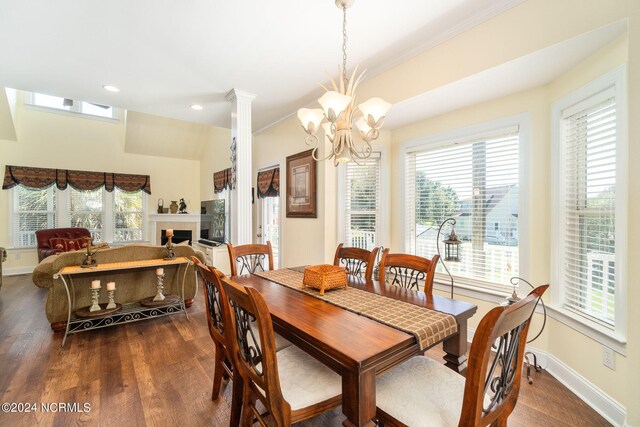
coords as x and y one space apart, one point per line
608 358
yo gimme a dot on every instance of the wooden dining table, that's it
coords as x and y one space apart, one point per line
356 347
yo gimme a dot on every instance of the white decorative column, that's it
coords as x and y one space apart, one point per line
241 212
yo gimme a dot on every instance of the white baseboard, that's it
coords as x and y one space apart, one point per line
16 271
598 400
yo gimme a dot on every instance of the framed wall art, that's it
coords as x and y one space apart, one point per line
301 186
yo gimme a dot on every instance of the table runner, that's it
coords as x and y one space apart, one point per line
428 326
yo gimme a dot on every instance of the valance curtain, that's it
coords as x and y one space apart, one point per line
41 178
269 183
222 180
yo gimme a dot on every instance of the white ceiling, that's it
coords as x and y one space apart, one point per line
165 55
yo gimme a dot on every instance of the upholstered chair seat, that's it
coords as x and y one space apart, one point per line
304 380
422 392
441 391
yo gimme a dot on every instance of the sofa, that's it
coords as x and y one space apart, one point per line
132 285
52 241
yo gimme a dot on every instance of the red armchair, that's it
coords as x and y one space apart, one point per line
65 235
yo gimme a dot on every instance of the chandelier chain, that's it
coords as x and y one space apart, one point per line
344 45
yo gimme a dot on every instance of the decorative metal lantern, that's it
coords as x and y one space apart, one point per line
452 247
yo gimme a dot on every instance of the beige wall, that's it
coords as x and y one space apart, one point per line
58 140
304 240
524 29
216 156
584 355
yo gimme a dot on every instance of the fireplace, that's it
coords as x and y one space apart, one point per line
177 222
178 236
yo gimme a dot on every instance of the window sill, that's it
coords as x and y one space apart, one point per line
596 333
483 294
21 249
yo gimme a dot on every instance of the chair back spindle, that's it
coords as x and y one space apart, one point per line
248 259
358 262
408 271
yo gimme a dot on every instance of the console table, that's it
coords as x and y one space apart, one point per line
132 311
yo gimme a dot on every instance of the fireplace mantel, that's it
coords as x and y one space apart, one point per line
176 222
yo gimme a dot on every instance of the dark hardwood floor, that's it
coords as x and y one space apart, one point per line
159 373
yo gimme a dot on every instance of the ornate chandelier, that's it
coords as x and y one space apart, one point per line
340 111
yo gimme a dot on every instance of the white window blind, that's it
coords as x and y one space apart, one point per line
32 210
475 181
589 174
362 203
117 216
85 210
128 215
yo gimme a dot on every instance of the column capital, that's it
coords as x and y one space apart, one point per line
235 94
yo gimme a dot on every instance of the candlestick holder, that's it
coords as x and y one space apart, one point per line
160 287
112 303
169 253
95 295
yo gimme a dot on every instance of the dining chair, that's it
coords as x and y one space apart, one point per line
408 270
250 258
424 392
358 262
222 366
292 386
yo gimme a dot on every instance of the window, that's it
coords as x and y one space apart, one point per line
589 204
32 210
114 217
472 175
85 210
128 215
65 104
361 198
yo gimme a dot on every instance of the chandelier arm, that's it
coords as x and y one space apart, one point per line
312 141
317 159
366 151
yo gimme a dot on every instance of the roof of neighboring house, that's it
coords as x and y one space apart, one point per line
493 196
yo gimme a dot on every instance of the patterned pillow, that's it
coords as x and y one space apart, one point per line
67 244
58 243
80 242
72 245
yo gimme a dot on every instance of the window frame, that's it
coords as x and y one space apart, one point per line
74 110
614 338
383 226
477 287
63 218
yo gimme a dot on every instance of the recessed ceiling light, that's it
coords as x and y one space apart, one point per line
196 106
111 88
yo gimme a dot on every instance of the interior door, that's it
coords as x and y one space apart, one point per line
269 225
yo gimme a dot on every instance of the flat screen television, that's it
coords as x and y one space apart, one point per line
213 222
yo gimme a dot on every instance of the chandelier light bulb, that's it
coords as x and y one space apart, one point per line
362 126
310 119
334 103
377 108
